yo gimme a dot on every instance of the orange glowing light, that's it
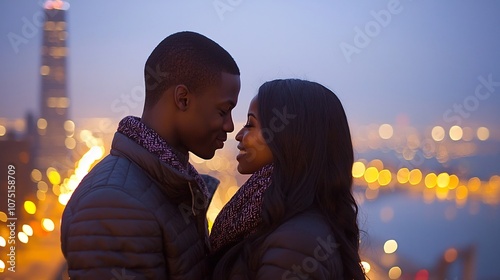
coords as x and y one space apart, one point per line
384 177
403 175
450 255
430 180
415 176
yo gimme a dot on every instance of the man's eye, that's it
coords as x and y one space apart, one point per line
222 113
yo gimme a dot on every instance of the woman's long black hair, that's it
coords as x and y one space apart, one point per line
306 129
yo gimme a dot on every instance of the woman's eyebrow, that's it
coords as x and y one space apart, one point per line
252 115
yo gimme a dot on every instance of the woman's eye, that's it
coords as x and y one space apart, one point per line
222 113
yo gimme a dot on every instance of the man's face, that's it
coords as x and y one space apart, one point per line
208 119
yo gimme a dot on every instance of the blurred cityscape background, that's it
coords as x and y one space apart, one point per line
422 96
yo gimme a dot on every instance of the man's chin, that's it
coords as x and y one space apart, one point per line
206 155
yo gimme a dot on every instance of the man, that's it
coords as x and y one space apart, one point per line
140 212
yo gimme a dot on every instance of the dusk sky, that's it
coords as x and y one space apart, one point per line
386 60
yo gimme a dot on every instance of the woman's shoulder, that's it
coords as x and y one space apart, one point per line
311 221
304 242
303 231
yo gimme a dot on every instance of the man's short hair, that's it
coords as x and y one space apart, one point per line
185 58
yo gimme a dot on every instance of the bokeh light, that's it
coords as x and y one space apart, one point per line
390 246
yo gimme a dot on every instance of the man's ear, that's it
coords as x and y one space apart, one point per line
181 97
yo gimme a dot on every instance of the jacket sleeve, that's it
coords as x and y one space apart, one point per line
109 234
298 254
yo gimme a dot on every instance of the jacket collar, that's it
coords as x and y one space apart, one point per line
174 183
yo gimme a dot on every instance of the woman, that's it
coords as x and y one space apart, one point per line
295 218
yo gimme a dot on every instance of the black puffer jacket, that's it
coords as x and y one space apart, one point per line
134 217
301 248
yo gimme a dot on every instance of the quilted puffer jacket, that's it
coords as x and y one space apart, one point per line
134 217
301 248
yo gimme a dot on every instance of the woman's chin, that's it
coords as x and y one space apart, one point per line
242 170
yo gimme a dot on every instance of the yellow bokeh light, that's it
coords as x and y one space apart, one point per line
30 207
474 184
48 224
384 177
22 237
456 133
70 143
41 123
28 230
36 175
366 266
390 246
54 177
385 131
395 272
483 133
430 180
371 174
358 169
403 175
461 192
453 181
3 130
69 125
438 133
443 179
2 242
2 266
3 217
415 176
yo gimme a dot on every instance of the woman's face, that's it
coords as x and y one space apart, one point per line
254 151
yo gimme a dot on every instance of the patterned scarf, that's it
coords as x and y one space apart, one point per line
133 128
242 214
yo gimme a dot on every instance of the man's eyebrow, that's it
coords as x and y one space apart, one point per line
230 103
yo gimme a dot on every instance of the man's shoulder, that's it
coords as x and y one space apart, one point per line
114 176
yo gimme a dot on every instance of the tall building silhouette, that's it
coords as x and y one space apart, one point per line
54 100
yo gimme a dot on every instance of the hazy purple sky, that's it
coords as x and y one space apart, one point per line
421 61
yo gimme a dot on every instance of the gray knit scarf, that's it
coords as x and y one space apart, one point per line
242 214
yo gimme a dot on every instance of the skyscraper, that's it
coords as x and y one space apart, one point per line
54 101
